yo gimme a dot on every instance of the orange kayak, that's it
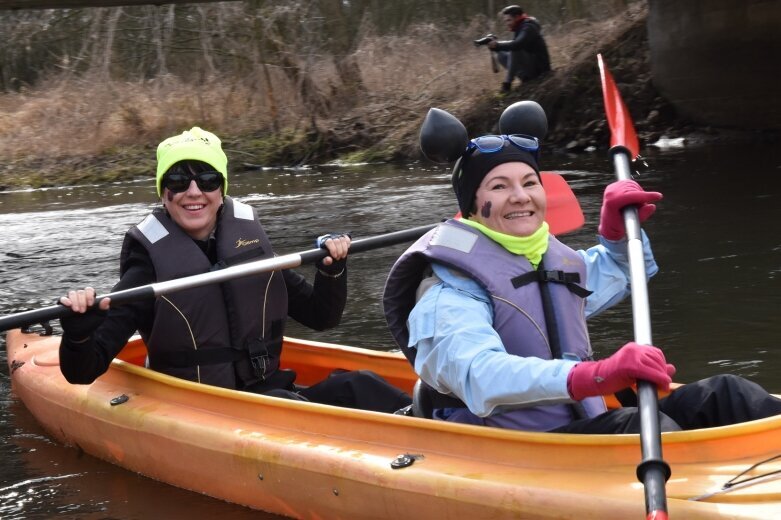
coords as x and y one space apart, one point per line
307 460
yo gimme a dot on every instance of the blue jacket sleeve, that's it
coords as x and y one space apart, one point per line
459 352
607 272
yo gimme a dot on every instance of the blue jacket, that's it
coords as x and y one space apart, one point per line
467 357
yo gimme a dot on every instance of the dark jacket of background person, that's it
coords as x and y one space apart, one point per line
526 55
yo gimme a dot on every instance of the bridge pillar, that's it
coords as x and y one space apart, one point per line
719 61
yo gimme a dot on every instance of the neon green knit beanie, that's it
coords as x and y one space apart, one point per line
194 144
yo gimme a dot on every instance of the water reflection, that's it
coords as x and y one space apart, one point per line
713 305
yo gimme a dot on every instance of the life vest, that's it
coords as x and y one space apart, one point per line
227 334
520 317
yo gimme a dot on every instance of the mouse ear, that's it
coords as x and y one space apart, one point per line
524 117
443 137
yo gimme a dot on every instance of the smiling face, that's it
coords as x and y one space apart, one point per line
511 200
193 210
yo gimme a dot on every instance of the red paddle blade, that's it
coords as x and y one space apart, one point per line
622 131
564 213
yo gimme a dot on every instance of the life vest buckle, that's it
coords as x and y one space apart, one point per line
555 276
259 357
259 365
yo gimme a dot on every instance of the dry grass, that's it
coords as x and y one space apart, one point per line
84 116
574 41
403 75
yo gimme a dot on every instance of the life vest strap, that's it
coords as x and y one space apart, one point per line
570 280
261 352
191 358
258 351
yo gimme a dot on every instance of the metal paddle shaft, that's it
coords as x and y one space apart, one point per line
653 471
153 290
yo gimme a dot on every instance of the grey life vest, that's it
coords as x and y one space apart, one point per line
517 296
227 334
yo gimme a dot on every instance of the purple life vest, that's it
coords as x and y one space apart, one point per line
519 315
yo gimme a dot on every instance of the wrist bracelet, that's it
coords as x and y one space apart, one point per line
329 275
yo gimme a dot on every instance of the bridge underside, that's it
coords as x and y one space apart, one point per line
717 61
53 4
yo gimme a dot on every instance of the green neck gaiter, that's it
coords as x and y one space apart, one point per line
532 247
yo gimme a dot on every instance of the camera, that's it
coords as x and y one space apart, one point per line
485 40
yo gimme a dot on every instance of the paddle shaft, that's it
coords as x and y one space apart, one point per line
153 290
652 471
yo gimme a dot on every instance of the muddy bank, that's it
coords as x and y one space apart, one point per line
572 99
384 131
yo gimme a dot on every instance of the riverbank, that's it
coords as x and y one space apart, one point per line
383 126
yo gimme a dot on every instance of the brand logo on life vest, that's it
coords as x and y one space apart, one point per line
241 242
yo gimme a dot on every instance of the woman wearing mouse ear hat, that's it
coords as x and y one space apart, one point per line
490 307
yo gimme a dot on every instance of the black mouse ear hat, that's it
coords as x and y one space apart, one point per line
526 118
443 139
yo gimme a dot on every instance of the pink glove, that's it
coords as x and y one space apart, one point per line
619 371
617 196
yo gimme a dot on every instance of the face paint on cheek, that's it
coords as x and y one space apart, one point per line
485 211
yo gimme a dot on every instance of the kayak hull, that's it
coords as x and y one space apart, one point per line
306 460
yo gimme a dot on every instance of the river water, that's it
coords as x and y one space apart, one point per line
714 304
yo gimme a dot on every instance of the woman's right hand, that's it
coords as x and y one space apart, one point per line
82 300
80 326
631 363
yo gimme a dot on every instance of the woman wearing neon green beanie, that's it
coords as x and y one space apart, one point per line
227 334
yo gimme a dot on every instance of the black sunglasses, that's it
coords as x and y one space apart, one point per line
206 181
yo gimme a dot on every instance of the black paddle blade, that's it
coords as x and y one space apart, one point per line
443 137
524 117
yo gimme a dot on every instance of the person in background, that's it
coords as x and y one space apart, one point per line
228 334
525 56
491 309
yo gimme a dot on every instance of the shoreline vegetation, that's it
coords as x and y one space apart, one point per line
81 120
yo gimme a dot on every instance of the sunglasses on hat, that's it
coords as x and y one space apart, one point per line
180 182
488 144
494 143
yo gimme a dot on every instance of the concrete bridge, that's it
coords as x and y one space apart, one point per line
62 4
719 61
716 61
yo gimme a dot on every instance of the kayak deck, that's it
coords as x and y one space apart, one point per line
308 460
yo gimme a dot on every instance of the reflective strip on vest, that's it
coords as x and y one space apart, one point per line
454 238
242 211
152 229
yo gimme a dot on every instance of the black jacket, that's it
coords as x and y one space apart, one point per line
318 307
528 52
